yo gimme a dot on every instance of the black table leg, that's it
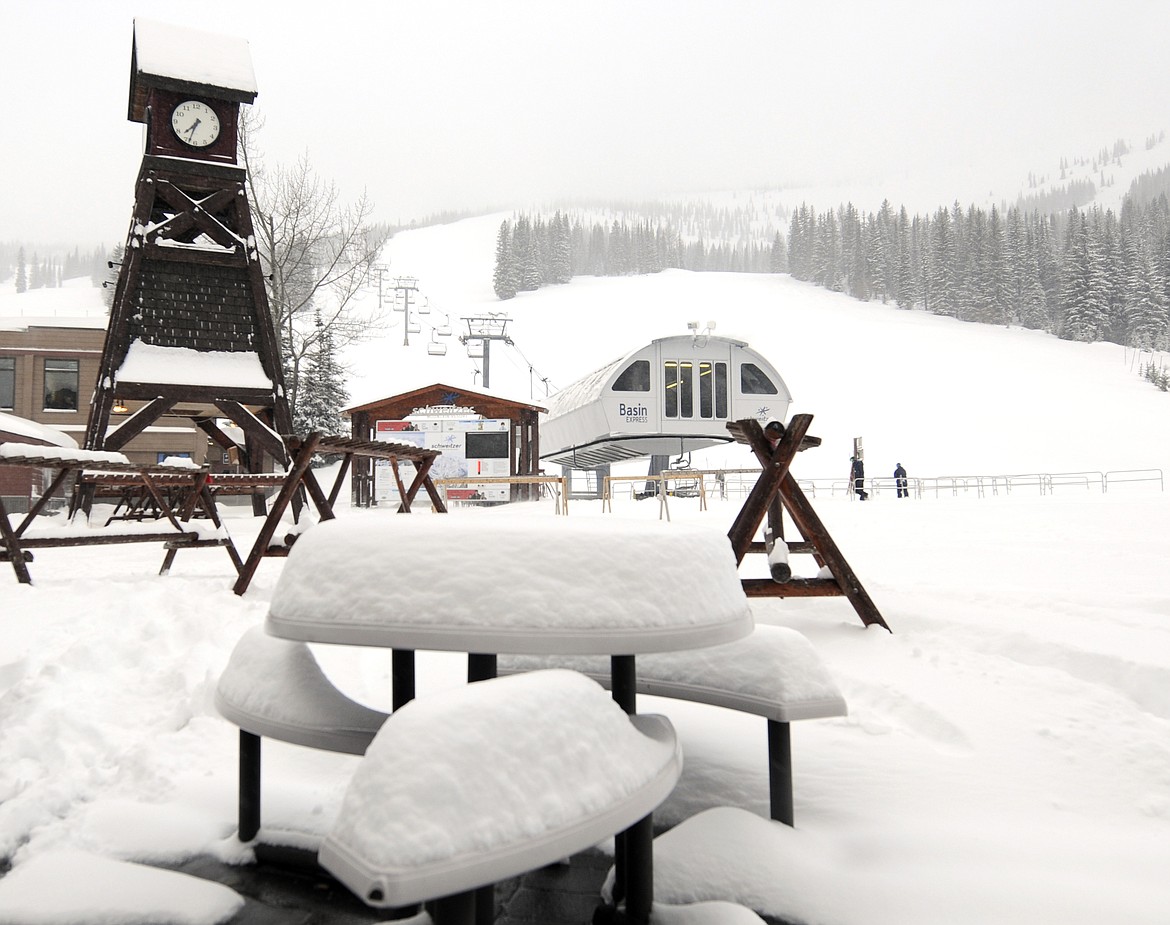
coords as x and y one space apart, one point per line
480 667
624 685
623 682
401 677
640 870
454 910
249 822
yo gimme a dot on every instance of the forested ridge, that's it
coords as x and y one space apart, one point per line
1081 273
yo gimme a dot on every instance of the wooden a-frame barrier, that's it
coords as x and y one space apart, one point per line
776 491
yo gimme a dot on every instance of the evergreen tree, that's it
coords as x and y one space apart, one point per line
906 284
598 251
941 283
322 394
828 254
1082 292
36 273
21 272
885 278
1031 308
777 262
1048 271
504 280
561 254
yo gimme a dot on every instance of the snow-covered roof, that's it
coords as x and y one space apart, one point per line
23 427
152 363
181 58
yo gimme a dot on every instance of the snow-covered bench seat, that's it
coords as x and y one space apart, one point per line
479 783
275 689
774 672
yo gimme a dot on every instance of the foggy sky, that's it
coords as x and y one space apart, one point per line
434 106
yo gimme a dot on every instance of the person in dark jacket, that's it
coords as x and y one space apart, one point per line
857 476
900 482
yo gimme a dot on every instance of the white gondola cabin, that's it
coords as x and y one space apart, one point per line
672 396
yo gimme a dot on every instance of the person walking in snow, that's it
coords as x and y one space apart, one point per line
857 477
900 482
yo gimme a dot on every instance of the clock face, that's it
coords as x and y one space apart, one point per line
195 124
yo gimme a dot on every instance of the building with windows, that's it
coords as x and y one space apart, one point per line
48 372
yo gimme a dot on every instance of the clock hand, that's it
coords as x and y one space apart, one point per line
191 130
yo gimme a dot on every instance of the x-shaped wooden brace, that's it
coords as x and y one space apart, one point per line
196 215
776 480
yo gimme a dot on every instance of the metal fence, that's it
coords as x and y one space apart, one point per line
736 483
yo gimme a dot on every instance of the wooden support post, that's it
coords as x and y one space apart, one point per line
302 457
12 544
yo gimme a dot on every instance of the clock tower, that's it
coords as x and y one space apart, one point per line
190 334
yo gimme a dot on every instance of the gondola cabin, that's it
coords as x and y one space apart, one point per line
672 396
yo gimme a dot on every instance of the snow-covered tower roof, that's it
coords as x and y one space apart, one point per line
190 61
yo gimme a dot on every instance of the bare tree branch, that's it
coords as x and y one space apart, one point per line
317 254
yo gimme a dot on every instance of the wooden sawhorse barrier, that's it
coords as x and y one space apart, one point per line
300 480
777 490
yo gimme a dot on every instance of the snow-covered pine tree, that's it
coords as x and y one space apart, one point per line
21 272
906 283
504 277
562 251
598 251
524 249
943 298
828 254
777 255
322 392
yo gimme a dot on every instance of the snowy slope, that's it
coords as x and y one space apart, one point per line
939 395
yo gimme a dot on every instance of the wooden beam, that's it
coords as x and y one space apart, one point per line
813 530
252 425
137 423
775 463
302 457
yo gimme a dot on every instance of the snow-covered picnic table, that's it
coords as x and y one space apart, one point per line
172 524
486 586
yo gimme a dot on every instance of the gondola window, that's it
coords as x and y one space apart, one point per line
754 381
634 378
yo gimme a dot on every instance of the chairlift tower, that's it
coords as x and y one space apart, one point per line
406 285
485 329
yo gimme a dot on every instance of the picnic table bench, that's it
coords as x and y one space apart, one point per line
188 493
136 502
774 673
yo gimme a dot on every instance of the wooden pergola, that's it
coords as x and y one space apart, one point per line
525 429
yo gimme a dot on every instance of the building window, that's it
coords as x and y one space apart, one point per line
7 383
61 378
